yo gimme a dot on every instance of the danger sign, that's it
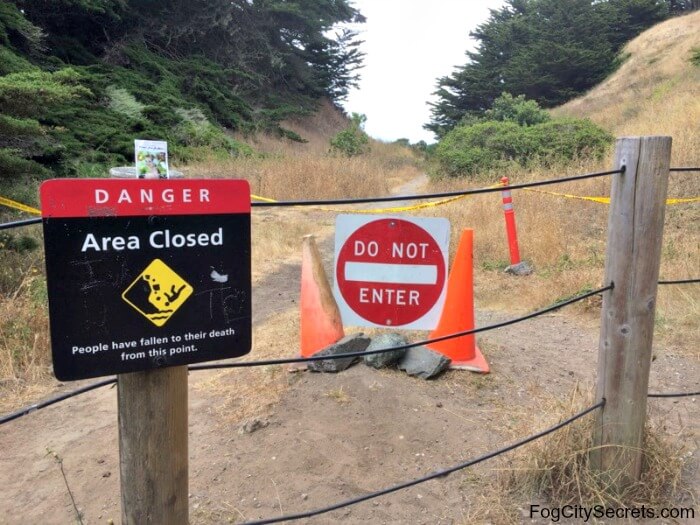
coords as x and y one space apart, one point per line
143 274
391 271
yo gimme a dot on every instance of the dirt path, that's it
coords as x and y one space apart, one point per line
328 437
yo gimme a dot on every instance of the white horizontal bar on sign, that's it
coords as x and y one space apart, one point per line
391 273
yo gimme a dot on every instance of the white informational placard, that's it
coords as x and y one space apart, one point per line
391 271
151 157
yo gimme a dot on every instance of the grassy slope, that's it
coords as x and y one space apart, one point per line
655 92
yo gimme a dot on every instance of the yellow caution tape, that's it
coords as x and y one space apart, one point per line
376 210
682 201
259 198
606 200
18 206
394 209
602 200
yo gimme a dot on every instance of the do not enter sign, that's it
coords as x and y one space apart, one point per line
391 271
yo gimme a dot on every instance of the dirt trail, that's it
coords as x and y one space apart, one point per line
330 437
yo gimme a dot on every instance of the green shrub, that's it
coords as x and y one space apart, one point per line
516 109
13 165
352 141
484 146
18 243
11 62
695 58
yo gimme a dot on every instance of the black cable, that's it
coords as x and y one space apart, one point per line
676 394
434 475
286 361
475 191
17 224
681 281
241 364
27 410
26 222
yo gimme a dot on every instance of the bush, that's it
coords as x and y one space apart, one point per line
523 112
352 141
489 145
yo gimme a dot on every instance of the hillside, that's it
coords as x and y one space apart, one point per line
79 80
656 91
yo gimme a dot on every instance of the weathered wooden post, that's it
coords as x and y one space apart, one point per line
635 227
153 462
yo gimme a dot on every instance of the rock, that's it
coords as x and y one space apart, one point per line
522 268
385 358
423 362
251 426
347 345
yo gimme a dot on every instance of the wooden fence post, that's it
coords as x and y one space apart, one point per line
153 453
153 446
635 227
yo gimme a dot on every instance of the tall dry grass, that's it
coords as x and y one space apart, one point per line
555 471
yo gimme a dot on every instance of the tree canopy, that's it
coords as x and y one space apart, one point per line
162 69
548 50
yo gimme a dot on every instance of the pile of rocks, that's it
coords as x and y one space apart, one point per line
418 361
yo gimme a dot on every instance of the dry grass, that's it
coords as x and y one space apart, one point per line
25 359
305 171
554 471
655 92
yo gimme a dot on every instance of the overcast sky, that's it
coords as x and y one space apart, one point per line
409 44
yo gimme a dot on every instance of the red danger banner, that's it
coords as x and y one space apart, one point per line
138 197
145 274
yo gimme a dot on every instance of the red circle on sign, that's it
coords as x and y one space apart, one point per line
390 272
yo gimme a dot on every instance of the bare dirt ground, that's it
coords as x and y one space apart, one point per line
326 438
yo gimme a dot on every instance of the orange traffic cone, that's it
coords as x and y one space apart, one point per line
458 312
320 318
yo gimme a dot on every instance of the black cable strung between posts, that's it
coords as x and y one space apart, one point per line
455 335
681 281
67 395
26 222
43 404
458 193
17 224
676 394
434 475
241 364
